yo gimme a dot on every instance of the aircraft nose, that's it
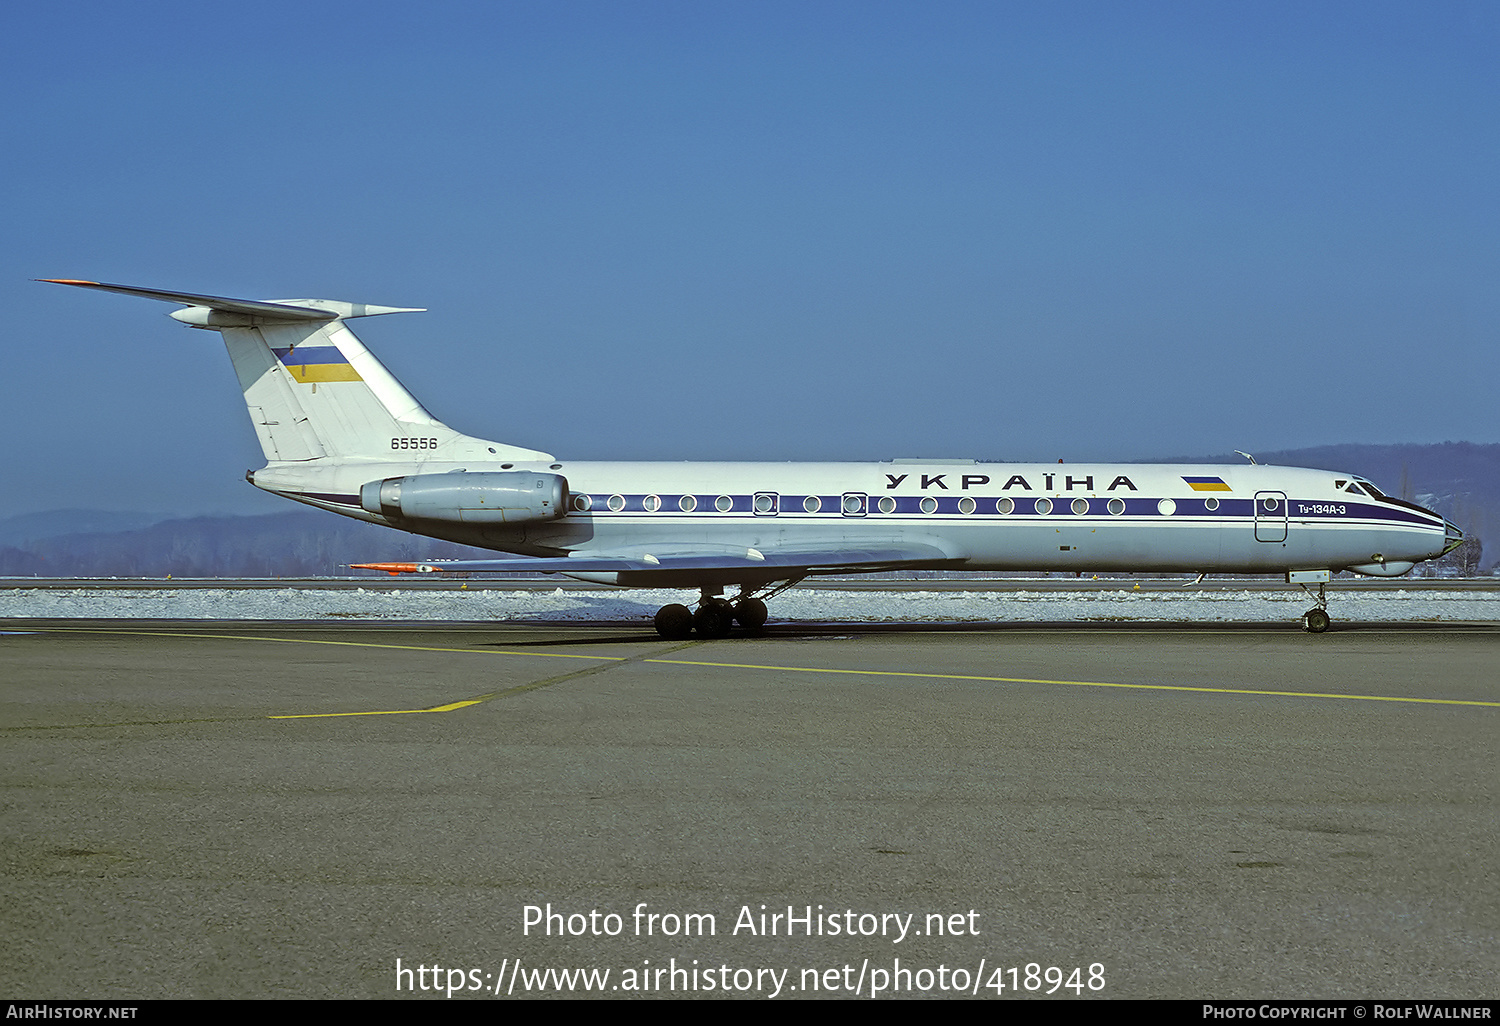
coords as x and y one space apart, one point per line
1453 537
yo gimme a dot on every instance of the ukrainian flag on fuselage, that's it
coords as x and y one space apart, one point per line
316 364
1207 484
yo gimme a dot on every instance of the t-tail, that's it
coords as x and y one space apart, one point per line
313 391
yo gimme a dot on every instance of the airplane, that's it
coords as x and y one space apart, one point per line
339 432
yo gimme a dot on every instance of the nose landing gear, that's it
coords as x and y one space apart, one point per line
1315 620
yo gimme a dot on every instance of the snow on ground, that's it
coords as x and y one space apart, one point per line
809 604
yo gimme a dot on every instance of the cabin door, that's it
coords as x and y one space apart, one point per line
1270 516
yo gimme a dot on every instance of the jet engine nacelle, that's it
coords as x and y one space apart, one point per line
514 497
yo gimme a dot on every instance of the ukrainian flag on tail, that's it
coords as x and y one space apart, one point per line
317 364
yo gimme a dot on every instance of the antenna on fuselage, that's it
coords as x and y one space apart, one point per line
1247 456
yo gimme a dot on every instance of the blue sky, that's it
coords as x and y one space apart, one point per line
779 231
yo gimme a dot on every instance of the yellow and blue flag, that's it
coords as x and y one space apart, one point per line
1207 484
317 364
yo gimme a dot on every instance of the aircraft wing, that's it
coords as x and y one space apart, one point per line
795 562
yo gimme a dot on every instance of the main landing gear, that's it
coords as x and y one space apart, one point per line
716 615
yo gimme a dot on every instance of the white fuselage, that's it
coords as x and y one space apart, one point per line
981 516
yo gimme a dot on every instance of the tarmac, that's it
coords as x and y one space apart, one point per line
310 810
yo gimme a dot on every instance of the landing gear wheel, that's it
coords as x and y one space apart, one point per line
1315 621
674 622
713 618
751 613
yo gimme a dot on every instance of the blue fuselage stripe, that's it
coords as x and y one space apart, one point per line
831 506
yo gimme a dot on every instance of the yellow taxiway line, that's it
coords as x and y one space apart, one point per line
707 664
1074 683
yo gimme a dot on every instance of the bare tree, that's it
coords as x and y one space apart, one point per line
1467 559
1469 555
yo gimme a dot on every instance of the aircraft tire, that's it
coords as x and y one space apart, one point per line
1315 621
674 622
713 619
751 613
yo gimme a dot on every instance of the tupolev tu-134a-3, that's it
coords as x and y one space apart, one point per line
341 433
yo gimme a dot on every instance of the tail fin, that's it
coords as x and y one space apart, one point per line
313 390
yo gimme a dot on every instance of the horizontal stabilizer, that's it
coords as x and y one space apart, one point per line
260 309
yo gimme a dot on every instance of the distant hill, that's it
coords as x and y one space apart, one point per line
294 544
1459 479
30 527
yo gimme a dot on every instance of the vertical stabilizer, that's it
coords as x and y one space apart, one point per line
312 388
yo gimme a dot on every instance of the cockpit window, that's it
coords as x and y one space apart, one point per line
1389 500
1354 489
